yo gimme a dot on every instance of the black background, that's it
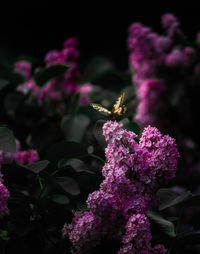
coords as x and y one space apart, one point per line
102 30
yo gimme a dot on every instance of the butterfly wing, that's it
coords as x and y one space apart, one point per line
100 109
118 102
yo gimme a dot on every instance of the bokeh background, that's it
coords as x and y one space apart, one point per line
102 30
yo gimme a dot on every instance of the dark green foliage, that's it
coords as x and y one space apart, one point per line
53 71
7 140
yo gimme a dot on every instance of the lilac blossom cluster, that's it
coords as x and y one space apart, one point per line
133 173
149 93
23 157
24 68
148 52
57 87
4 195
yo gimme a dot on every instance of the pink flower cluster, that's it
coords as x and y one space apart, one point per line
180 58
23 157
133 173
4 195
171 24
138 237
24 68
148 51
149 93
57 87
54 89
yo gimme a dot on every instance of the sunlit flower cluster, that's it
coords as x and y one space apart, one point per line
133 172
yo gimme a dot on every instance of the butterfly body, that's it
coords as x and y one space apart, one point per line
117 109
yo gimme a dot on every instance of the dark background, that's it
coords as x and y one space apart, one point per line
102 30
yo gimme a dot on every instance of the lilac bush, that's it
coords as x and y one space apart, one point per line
165 73
68 84
114 198
150 54
132 174
58 87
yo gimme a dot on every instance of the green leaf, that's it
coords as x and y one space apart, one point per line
13 101
165 225
170 198
134 126
68 184
3 83
98 133
4 235
131 126
76 164
74 127
97 157
50 72
12 77
37 166
97 67
7 140
75 103
60 199
64 150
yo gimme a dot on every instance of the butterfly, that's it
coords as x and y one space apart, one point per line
117 110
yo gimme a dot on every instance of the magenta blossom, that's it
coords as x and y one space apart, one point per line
133 173
24 68
84 90
56 88
171 24
151 102
4 195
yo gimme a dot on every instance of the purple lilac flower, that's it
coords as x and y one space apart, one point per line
56 88
52 90
29 86
180 58
26 157
71 42
150 95
84 90
148 52
158 249
171 24
137 237
164 154
24 68
4 195
54 57
84 232
23 157
147 49
133 173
